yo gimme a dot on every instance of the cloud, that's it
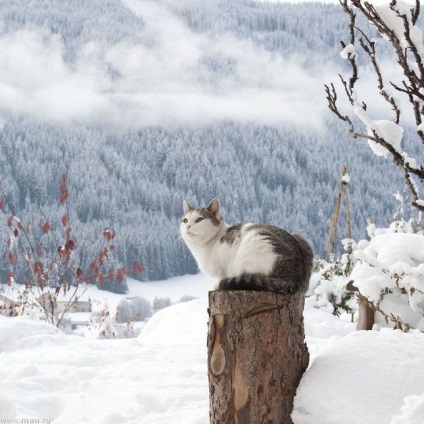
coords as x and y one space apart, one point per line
175 76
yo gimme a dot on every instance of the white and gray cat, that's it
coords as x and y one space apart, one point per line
246 256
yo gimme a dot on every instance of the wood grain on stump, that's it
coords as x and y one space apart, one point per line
256 356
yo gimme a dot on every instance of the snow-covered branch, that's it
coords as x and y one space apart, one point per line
395 21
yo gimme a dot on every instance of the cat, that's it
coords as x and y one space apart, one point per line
246 256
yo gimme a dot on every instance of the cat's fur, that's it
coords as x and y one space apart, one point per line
246 256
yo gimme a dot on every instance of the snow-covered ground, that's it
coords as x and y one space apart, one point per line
161 376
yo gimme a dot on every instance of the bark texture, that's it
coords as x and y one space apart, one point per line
256 356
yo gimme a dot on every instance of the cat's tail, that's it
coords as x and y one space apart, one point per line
260 283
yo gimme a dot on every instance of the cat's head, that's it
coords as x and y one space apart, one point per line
201 225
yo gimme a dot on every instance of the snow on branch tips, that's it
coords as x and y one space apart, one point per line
403 92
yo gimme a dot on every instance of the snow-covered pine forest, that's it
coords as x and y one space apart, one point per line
145 104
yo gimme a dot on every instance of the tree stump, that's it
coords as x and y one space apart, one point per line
256 356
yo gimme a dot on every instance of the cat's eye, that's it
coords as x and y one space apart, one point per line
185 220
199 219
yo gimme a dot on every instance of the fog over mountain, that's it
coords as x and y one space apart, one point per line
146 103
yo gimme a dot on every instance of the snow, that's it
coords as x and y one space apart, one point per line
362 378
348 52
394 261
387 130
160 377
395 23
412 411
193 285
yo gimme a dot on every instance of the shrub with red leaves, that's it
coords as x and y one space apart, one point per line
50 257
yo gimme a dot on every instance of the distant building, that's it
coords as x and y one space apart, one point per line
47 301
78 306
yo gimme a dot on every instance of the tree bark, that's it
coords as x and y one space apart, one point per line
256 356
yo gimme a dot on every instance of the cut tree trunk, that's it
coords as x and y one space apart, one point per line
256 356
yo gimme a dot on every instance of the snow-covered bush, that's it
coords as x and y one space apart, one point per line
388 270
186 298
161 303
102 323
135 309
328 283
390 273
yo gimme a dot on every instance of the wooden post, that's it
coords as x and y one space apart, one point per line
256 356
332 234
366 314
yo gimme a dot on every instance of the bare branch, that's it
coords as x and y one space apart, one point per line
405 48
416 12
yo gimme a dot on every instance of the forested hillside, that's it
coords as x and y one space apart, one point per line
129 168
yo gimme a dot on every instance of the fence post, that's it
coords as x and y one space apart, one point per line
256 356
366 315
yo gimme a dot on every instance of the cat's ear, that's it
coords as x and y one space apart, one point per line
187 207
215 208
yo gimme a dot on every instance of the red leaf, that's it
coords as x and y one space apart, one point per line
94 268
111 275
65 220
109 234
102 256
136 268
69 246
68 232
40 249
121 274
12 259
111 247
38 267
64 196
78 272
46 227
64 178
101 279
9 221
16 232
